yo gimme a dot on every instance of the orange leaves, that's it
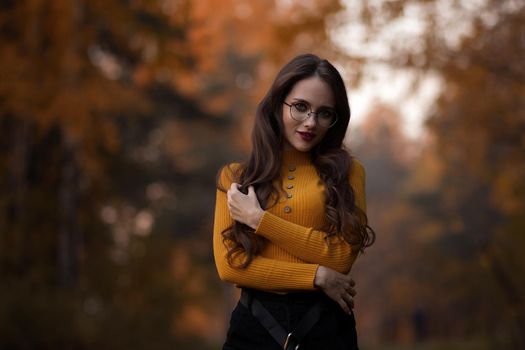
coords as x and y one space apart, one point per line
228 40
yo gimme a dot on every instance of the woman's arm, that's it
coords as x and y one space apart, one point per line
261 273
270 274
311 245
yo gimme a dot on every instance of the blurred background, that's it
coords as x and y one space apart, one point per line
115 116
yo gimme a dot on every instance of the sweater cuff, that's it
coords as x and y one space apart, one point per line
305 279
257 229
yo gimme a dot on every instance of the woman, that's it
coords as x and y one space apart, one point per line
291 221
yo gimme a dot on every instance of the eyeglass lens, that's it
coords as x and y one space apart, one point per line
301 112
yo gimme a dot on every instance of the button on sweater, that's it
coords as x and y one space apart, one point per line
295 246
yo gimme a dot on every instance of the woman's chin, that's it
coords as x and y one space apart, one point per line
303 148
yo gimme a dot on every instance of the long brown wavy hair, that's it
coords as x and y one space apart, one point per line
331 160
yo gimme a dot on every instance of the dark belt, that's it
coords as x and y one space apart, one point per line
290 340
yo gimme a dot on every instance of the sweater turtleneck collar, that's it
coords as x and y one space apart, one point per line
292 156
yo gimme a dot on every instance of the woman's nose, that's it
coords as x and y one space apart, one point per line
311 121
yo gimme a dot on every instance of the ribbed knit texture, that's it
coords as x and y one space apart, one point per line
295 245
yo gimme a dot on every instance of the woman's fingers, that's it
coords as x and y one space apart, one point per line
343 305
231 201
234 188
349 300
337 286
232 196
244 208
345 301
350 290
347 294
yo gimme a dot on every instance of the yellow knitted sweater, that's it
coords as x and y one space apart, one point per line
294 246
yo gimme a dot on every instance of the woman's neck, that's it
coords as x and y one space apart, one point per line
294 156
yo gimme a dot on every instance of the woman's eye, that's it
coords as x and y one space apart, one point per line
326 114
301 107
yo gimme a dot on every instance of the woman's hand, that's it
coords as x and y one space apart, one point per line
337 286
244 208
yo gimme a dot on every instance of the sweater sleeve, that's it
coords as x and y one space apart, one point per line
312 245
261 273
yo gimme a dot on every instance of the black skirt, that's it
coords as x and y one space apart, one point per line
335 330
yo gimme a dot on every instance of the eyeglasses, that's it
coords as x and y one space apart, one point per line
300 111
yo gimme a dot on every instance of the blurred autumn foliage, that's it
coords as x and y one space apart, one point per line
115 116
450 262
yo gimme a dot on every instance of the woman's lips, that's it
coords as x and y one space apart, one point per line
307 136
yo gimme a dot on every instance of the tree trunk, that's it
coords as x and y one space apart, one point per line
68 232
69 239
17 202
514 299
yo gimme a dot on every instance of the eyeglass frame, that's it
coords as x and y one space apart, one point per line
309 114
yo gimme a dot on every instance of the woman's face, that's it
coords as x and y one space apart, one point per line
314 95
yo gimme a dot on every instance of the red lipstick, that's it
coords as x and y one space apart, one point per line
307 136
